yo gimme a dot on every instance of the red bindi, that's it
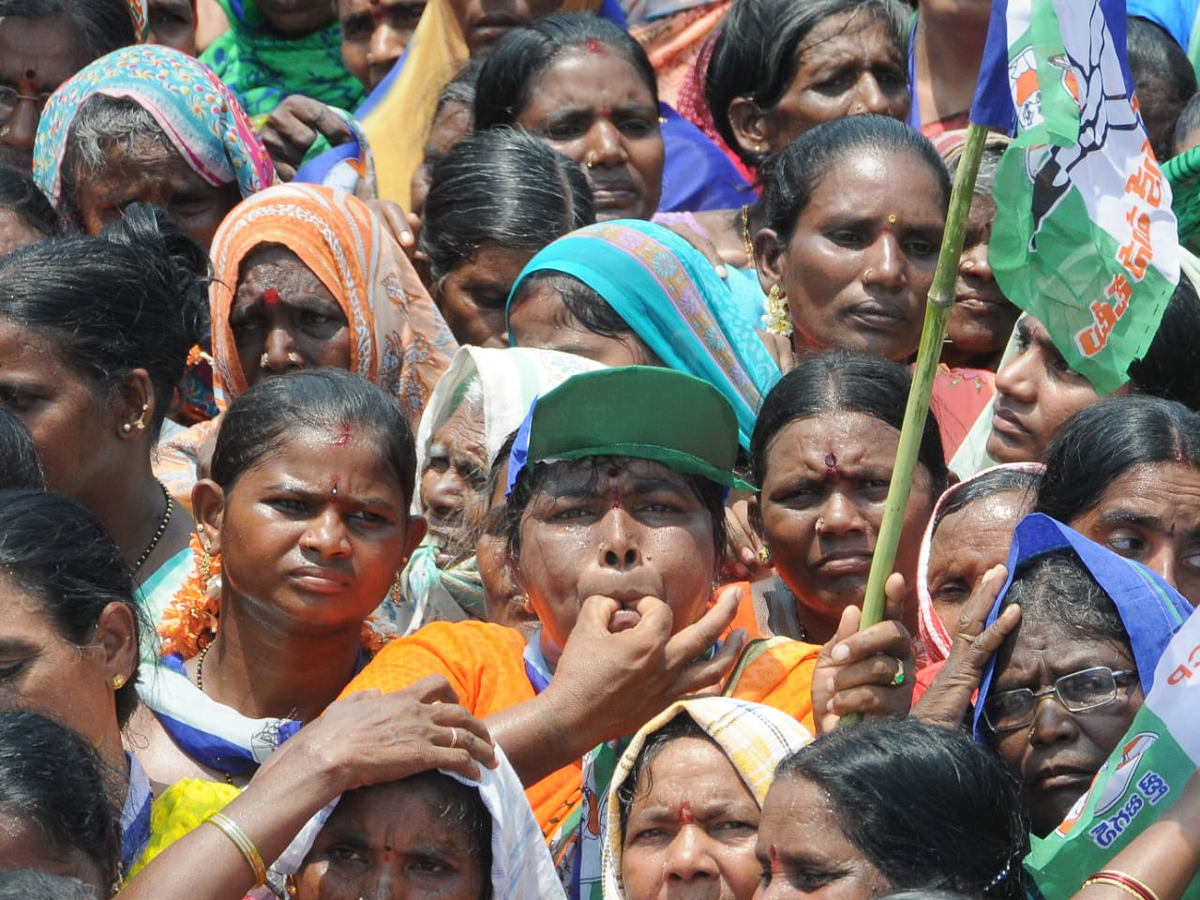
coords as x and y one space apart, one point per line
614 494
270 296
593 45
831 471
605 112
685 814
342 435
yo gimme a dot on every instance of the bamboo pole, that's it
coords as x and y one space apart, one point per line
937 311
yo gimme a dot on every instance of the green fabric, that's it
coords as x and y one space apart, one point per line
262 68
1183 174
643 412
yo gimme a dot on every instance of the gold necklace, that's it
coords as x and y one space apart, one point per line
162 529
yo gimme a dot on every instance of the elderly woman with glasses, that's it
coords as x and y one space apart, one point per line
1080 631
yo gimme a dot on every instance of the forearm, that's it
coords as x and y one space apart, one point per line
542 735
280 799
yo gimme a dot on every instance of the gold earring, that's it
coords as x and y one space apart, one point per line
522 600
140 424
264 361
206 562
118 681
290 886
777 317
126 427
764 555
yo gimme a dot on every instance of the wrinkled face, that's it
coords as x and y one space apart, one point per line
860 262
1151 513
452 123
966 544
539 318
981 320
313 534
500 592
803 852
72 425
473 296
821 505
1056 757
284 318
173 24
593 106
619 528
23 845
42 672
454 481
691 828
151 171
1036 392
392 842
36 56
375 34
483 22
850 64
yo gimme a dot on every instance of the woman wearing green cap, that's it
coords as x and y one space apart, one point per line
615 536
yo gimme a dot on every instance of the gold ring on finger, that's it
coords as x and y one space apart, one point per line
453 738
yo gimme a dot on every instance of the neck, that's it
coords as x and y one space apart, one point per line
264 670
948 52
130 506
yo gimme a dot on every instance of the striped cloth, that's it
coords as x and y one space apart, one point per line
756 738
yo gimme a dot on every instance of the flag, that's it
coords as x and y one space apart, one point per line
1144 775
1084 237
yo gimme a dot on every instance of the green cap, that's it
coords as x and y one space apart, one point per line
644 412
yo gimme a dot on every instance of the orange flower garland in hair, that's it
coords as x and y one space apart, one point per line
190 621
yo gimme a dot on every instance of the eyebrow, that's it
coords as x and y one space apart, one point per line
308 493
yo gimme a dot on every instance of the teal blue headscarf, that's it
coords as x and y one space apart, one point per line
674 301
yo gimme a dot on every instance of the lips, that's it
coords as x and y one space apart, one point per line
623 619
490 28
321 579
613 189
1007 423
841 563
877 316
1060 777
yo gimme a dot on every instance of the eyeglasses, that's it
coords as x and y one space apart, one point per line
1078 692
10 97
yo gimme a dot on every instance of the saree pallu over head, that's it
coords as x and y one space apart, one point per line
263 67
398 113
197 113
755 739
935 639
1150 609
399 340
673 299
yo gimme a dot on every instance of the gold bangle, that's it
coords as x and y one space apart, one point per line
245 846
1123 881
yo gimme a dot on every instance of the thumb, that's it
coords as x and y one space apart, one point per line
847 627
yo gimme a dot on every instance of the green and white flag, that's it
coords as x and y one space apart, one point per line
1084 237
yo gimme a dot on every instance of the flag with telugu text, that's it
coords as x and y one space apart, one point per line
1144 775
1084 237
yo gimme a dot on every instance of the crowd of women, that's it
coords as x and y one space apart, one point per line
443 446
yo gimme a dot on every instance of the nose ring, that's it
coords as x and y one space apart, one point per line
820 525
590 160
969 265
293 358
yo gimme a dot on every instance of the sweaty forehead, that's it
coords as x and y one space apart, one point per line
599 473
852 438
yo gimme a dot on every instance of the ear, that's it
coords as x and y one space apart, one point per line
133 405
750 127
208 508
414 533
117 637
769 252
754 517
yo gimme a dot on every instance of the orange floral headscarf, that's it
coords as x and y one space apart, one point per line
399 339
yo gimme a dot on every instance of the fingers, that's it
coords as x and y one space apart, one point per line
392 216
431 689
979 605
704 245
696 638
893 593
707 676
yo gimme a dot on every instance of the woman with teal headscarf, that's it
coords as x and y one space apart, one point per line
640 291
